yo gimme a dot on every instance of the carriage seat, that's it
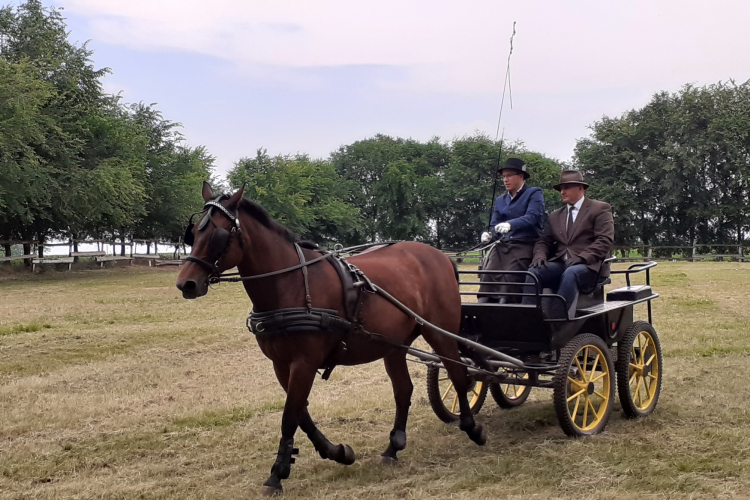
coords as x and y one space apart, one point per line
587 298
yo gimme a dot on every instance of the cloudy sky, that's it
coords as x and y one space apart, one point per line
311 75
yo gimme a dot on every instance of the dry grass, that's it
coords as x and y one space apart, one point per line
112 386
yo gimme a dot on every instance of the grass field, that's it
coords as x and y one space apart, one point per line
113 386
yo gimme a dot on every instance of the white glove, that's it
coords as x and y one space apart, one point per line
486 237
502 228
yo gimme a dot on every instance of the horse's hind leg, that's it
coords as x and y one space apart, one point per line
395 366
457 373
340 453
299 383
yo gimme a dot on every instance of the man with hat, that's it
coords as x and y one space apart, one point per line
570 254
515 226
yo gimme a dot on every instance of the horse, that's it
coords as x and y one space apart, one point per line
237 232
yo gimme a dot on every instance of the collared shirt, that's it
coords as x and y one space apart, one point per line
575 208
524 212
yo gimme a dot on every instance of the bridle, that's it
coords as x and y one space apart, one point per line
219 239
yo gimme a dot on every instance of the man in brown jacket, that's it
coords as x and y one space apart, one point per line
570 254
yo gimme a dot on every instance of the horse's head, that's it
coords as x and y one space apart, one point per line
216 242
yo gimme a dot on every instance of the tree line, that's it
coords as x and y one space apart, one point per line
74 160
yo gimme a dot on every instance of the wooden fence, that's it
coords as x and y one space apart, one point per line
34 252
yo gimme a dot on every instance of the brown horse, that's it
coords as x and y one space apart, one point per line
241 234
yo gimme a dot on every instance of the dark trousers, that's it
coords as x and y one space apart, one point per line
506 256
567 280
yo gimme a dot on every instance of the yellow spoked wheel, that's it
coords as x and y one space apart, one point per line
510 395
639 370
445 400
584 386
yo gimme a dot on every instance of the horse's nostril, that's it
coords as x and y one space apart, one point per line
187 286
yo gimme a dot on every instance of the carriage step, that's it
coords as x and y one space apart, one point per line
603 307
630 293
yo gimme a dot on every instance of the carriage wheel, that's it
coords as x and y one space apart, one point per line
508 395
639 370
444 398
584 386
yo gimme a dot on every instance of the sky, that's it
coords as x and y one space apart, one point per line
310 76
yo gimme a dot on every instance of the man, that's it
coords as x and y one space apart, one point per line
569 256
516 223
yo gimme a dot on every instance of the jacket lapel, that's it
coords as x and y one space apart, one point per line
579 218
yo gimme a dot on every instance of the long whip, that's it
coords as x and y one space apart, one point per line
506 85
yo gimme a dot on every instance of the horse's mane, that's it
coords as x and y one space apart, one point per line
259 213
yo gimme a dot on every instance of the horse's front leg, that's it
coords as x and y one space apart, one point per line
299 384
341 453
395 366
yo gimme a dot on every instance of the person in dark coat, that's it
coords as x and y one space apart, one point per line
515 227
571 252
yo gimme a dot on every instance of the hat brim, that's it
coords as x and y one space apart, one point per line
526 175
557 187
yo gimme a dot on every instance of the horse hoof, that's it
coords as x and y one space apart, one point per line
349 456
270 491
386 460
478 435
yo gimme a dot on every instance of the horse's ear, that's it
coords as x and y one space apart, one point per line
208 192
234 200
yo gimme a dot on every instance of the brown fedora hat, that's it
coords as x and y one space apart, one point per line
571 177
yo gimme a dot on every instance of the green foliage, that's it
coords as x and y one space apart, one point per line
74 160
306 196
678 169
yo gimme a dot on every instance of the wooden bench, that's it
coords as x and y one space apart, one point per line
168 262
61 260
88 254
17 257
151 257
112 258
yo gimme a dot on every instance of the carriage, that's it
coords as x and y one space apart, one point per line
511 348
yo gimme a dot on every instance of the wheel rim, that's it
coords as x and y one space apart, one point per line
643 373
588 388
449 395
513 392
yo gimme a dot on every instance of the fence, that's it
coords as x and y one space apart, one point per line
34 252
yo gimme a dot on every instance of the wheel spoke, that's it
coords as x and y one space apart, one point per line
580 368
443 379
585 362
575 408
650 360
576 394
455 401
593 367
638 391
600 395
601 375
585 411
445 394
594 415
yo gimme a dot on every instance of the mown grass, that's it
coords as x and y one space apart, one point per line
113 386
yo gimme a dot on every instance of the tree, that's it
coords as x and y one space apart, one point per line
675 171
306 196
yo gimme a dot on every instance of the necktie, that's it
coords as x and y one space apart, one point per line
569 227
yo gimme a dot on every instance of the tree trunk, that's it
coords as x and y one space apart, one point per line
27 251
40 247
74 240
8 252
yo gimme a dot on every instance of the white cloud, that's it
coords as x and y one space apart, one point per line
446 45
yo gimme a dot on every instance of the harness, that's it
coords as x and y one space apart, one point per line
293 320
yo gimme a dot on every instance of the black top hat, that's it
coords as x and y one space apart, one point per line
515 164
571 177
